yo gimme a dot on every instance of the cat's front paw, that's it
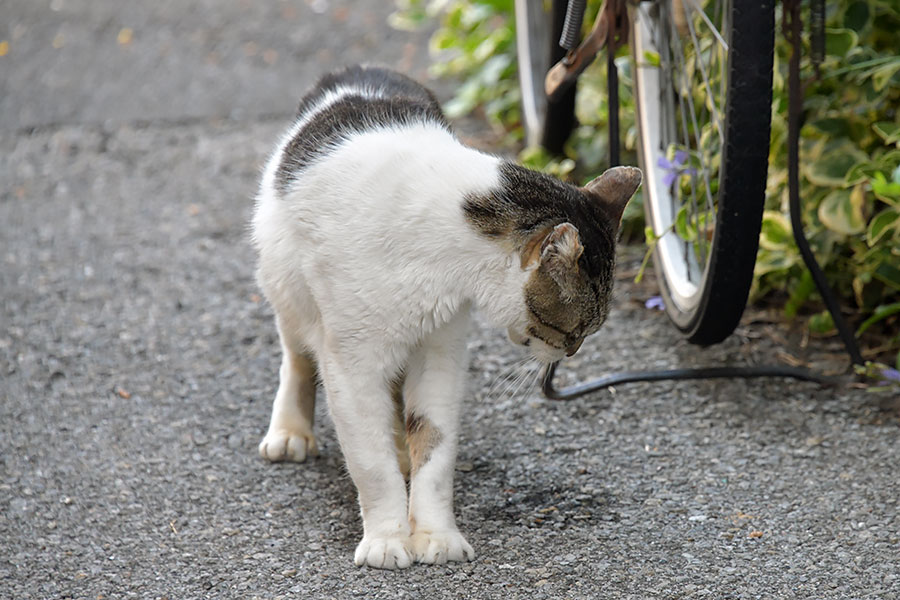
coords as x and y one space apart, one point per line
280 445
438 547
391 552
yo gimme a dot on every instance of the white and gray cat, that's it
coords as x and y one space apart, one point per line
378 232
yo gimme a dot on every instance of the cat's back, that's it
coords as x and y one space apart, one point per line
371 83
345 105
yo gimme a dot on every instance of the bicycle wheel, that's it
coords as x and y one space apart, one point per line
537 42
703 89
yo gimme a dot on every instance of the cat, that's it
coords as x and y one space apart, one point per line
377 233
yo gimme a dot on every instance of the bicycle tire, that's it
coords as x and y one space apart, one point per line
548 124
705 302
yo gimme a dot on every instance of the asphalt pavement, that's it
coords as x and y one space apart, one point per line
138 364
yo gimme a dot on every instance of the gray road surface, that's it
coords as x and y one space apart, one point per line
137 366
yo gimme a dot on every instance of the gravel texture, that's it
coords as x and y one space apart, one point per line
137 366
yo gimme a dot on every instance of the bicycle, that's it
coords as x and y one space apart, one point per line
702 75
702 72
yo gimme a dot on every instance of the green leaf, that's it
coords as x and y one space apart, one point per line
882 75
885 223
888 274
833 126
442 39
493 69
821 323
652 58
857 15
889 132
774 261
406 20
858 173
842 211
800 294
465 100
832 166
776 231
683 229
838 42
881 313
887 191
859 66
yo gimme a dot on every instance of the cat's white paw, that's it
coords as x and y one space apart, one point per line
280 445
438 547
391 552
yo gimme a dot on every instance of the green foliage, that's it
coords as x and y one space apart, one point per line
850 176
475 43
850 146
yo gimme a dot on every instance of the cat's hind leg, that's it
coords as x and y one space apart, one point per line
400 430
290 435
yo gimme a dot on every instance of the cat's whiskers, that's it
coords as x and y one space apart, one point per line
502 383
526 372
517 384
536 375
529 378
507 378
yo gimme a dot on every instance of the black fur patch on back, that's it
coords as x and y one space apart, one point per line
370 78
384 98
527 201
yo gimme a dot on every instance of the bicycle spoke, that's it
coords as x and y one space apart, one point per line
696 64
693 114
705 75
709 23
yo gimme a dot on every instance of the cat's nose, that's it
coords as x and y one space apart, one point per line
574 348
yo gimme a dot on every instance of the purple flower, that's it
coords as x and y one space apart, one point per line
655 302
670 168
891 374
675 167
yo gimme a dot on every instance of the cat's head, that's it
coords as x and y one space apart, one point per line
563 239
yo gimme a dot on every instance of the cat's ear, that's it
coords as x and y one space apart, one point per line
558 247
559 257
556 252
613 189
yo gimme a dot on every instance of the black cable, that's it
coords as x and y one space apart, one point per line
580 389
795 112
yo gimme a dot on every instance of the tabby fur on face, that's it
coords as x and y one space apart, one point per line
565 237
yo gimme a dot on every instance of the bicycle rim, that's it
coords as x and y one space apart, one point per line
532 44
538 26
703 89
